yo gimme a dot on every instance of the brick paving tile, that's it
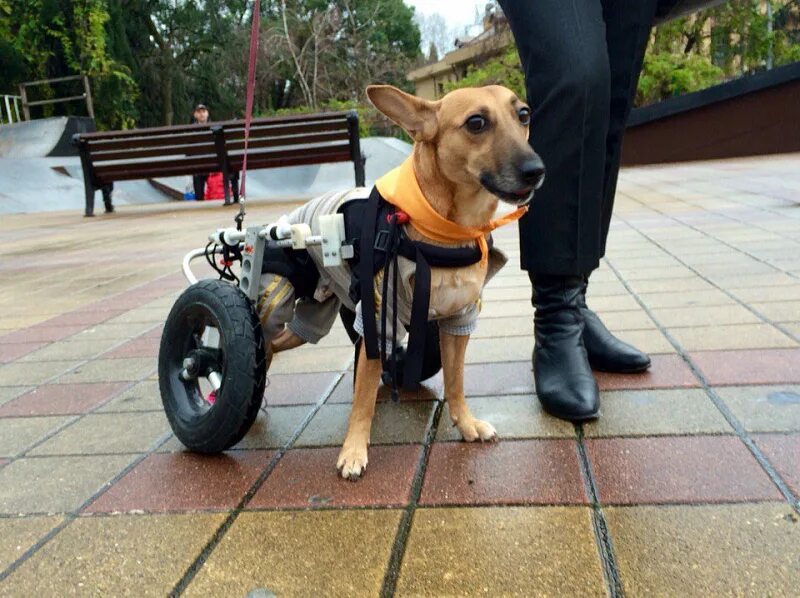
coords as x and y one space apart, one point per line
111 370
184 482
517 551
20 534
783 451
40 333
22 374
429 390
55 484
18 433
114 556
107 433
334 553
308 478
12 351
82 317
297 389
138 347
61 399
764 408
499 378
509 472
70 349
719 550
143 396
393 423
723 338
682 469
666 371
774 366
9 393
512 417
270 430
304 360
657 412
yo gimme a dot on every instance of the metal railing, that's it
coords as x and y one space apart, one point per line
86 95
9 109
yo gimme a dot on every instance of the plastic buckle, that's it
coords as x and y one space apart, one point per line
381 241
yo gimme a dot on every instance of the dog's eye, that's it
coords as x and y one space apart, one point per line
476 123
525 116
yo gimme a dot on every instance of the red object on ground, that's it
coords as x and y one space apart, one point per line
215 188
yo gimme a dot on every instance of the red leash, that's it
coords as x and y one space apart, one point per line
248 112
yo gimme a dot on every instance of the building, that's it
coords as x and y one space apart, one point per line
430 80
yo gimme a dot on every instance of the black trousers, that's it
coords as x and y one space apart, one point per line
582 60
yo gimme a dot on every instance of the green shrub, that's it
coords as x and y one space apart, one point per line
668 74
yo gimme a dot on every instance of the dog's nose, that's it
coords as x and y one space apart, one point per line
532 171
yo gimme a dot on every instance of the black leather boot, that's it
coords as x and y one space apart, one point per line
564 382
606 352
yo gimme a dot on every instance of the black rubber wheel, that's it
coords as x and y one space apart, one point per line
215 326
431 362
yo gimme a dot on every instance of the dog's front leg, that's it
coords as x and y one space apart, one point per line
454 349
353 457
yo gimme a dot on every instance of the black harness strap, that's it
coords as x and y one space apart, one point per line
380 245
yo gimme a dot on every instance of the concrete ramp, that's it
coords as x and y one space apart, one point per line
41 184
45 137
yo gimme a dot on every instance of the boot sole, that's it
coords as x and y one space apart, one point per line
574 418
638 370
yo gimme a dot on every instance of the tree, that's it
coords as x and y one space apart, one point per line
500 70
41 39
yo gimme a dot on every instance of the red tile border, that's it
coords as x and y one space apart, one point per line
783 451
677 469
12 351
84 318
39 334
666 371
61 399
184 482
761 366
507 472
307 478
141 346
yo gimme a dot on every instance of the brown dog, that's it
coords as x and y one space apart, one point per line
471 150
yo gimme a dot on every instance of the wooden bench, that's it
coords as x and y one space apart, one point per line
323 138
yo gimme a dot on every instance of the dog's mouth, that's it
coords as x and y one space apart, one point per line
519 197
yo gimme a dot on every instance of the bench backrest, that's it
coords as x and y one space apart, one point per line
198 149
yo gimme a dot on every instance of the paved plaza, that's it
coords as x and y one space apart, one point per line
688 484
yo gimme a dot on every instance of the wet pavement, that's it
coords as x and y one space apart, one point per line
688 484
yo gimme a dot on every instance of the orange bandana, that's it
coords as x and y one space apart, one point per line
400 188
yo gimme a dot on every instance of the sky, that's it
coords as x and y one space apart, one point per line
457 13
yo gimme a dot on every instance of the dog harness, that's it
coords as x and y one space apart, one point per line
397 200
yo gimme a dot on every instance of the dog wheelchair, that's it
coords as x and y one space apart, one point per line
213 358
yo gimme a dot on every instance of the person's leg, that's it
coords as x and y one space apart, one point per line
199 182
562 46
627 31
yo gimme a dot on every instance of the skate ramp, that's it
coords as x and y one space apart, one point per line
45 137
41 184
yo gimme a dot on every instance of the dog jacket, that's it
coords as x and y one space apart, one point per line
297 291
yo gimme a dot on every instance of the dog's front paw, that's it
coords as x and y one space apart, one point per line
352 462
475 429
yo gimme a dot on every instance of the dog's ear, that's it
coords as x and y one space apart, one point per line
415 115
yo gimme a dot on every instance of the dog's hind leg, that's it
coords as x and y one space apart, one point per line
353 457
454 349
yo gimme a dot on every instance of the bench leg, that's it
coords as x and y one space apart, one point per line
89 201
